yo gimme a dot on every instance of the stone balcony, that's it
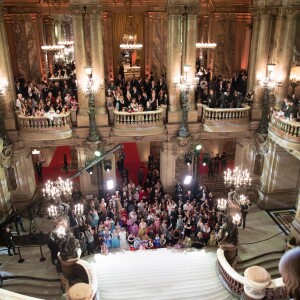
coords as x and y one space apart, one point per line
226 119
138 123
285 132
48 127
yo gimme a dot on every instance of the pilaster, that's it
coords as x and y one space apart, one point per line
98 63
81 61
295 230
253 52
8 97
284 55
262 55
24 173
107 45
167 166
280 179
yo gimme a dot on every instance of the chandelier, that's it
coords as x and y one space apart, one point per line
237 178
130 35
222 204
54 189
52 47
206 45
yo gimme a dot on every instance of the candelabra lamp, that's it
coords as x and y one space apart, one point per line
268 84
294 82
185 85
90 88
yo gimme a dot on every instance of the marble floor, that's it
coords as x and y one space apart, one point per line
259 227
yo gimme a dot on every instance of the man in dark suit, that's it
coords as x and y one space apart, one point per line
244 211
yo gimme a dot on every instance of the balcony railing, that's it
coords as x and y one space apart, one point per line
226 119
285 132
138 123
47 127
235 282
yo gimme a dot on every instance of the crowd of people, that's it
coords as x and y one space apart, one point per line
220 92
135 95
290 109
141 215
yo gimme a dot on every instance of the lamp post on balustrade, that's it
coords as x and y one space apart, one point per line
185 86
90 87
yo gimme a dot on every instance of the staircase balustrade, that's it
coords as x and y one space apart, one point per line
285 126
217 119
47 127
285 132
235 282
45 122
129 123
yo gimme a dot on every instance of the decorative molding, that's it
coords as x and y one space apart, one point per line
192 9
77 9
181 146
6 154
94 9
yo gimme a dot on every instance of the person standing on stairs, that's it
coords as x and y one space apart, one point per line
65 160
39 170
140 176
10 243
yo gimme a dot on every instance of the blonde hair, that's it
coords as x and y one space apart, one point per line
289 269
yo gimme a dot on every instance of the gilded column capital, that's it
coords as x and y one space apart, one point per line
77 9
266 11
3 10
191 9
94 9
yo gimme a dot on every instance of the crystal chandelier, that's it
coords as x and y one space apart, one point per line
130 35
206 45
222 204
54 189
237 178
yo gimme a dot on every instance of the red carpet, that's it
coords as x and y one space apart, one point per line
55 168
132 161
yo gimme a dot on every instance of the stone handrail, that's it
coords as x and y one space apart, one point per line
285 126
226 113
226 119
138 123
235 282
46 121
138 118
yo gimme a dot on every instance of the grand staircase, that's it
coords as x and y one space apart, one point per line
159 274
269 261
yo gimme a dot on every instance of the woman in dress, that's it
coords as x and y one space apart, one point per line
115 242
130 239
142 228
199 243
123 239
107 237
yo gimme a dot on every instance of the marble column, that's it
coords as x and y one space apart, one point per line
285 55
280 179
25 177
253 52
174 61
4 194
190 49
8 95
98 64
80 60
262 55
167 166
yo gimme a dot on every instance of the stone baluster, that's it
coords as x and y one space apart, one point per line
81 62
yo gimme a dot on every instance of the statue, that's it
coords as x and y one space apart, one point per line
289 269
6 152
228 234
70 248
